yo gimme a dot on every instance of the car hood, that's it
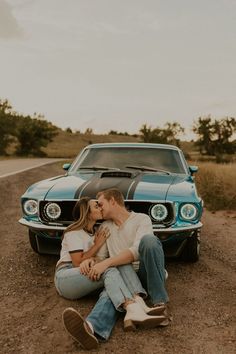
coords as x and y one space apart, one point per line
60 187
138 186
166 187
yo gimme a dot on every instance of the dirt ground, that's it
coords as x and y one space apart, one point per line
202 295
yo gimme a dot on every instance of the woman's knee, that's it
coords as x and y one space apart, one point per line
67 292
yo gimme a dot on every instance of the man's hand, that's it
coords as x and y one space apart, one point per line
86 266
97 270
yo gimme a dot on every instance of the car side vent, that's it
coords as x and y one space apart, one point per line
125 174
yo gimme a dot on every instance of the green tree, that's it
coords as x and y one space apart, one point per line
215 136
147 134
223 131
88 131
7 126
171 132
69 130
167 135
203 128
33 134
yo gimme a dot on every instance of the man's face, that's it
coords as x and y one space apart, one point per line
105 207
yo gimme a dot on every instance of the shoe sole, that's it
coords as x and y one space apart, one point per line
157 311
75 326
130 325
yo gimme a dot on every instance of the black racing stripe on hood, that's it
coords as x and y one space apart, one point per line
98 183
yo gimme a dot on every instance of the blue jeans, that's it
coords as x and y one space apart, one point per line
72 285
121 284
152 275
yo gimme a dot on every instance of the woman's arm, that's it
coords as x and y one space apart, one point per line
79 256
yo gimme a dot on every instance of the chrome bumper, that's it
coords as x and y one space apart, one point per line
39 226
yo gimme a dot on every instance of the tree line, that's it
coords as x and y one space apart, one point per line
214 137
31 134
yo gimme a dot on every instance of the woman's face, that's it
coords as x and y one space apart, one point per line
95 211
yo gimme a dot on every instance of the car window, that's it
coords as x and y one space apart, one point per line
165 159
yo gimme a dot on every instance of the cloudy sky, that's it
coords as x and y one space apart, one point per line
117 64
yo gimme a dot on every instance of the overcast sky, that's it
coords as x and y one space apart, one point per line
117 64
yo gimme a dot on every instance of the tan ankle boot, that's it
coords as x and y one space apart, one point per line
157 310
135 315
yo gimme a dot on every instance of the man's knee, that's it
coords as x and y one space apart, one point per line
110 272
149 242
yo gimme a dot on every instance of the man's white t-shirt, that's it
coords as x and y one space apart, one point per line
126 236
75 241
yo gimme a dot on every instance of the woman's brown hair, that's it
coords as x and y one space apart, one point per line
80 214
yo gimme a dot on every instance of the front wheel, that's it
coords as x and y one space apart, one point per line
191 250
33 241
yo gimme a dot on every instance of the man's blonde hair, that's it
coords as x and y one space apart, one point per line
112 193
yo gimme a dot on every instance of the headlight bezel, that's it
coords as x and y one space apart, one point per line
193 208
48 214
34 205
164 209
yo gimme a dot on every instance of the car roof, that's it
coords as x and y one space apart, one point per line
138 145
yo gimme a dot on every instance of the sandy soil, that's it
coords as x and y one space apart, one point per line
202 294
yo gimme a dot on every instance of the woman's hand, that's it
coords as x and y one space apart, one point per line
101 236
97 270
86 266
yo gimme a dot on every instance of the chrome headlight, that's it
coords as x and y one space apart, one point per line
52 210
30 207
159 212
188 211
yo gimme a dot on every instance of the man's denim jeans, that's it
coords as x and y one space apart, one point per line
152 275
122 283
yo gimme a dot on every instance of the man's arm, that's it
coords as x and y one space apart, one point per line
124 257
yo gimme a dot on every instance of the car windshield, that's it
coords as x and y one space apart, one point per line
159 159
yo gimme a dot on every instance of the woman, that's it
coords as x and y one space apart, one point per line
79 243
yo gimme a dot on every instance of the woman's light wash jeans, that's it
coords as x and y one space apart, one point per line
152 275
72 285
121 283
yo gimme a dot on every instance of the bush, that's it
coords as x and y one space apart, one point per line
217 185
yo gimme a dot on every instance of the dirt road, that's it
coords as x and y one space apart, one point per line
10 167
202 295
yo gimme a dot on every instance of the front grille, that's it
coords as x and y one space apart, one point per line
145 207
136 206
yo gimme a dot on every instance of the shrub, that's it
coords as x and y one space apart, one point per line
217 185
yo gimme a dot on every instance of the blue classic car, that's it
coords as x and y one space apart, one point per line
155 179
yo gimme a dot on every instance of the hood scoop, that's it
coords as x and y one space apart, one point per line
125 174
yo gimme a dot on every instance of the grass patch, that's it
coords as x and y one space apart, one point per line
216 184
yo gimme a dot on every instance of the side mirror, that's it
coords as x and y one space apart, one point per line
193 169
66 166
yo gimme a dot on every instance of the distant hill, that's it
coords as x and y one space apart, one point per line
68 145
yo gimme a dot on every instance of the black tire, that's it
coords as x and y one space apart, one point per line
191 250
33 241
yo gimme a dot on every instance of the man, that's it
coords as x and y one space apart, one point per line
131 239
